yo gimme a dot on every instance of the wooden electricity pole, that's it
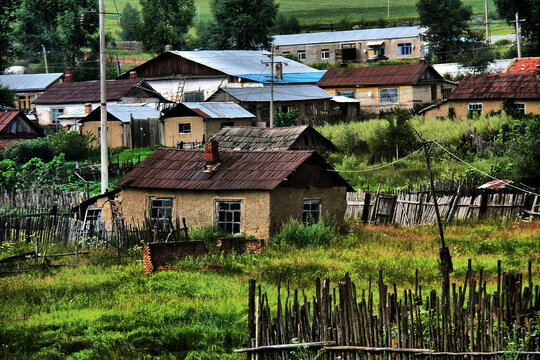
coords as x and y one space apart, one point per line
103 88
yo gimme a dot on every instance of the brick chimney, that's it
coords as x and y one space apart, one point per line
68 77
211 153
132 74
422 61
168 48
87 108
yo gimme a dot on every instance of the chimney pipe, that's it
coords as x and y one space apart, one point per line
87 108
132 74
422 61
68 77
168 48
211 153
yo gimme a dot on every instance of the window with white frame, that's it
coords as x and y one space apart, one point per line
475 107
388 96
325 54
229 215
311 212
302 54
184 128
55 113
161 210
404 49
521 107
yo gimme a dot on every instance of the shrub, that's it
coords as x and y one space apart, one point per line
22 151
8 174
76 146
282 119
300 235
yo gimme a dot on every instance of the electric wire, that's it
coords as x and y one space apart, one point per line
378 167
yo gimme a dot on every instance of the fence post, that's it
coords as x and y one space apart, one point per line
365 210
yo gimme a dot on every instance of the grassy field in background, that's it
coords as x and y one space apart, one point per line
106 308
315 12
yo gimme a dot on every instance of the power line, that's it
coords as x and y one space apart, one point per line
376 168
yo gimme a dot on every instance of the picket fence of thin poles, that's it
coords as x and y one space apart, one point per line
348 324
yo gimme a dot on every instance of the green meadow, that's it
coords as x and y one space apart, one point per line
106 308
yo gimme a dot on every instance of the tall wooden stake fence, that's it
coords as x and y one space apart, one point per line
406 208
348 324
38 200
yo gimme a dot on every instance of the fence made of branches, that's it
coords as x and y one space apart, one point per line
347 323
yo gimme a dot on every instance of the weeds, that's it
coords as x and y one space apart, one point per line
300 235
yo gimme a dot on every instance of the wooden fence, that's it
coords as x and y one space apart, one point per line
38 200
417 208
347 323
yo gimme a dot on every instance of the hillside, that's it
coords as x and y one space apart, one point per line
317 12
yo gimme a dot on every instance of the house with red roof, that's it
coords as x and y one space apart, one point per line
66 98
379 88
485 93
243 192
530 64
15 126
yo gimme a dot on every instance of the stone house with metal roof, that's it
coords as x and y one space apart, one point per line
191 122
311 101
70 97
131 126
243 192
15 126
485 93
385 87
193 76
29 87
395 43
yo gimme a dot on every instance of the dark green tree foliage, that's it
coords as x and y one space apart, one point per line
243 24
448 23
282 119
165 22
287 25
526 154
7 97
476 54
131 23
530 28
57 25
7 17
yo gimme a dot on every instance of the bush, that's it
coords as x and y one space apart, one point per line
282 119
300 235
8 174
22 151
76 146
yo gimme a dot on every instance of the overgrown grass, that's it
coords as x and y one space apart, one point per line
106 308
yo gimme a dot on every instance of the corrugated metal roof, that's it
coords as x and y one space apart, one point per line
373 75
29 82
344 99
125 113
6 118
498 86
281 93
242 62
311 77
349 35
179 169
83 92
258 138
525 65
219 110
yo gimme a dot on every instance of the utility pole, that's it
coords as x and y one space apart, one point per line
388 9
272 87
518 35
45 58
103 87
487 22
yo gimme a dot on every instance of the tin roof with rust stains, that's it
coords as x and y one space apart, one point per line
498 86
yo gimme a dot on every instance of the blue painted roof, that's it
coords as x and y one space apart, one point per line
29 82
311 77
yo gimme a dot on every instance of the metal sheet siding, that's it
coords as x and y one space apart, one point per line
349 35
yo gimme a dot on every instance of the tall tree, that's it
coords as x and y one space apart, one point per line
448 24
243 24
165 22
7 16
529 10
57 25
131 23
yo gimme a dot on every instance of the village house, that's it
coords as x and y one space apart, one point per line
192 76
303 137
129 125
486 93
385 87
191 122
30 86
243 192
71 97
15 126
311 101
395 43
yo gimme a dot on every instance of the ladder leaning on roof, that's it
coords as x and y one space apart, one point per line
180 90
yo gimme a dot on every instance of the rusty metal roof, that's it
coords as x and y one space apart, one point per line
496 184
85 92
177 169
375 75
6 118
498 86
524 65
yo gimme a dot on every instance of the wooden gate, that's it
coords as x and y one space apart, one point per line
145 133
